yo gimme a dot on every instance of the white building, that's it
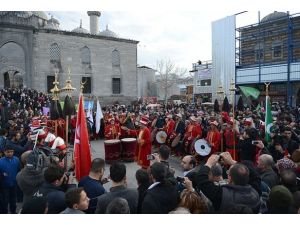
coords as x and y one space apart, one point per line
33 47
202 81
146 82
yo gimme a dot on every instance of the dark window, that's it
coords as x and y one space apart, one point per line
259 52
277 51
206 82
50 85
116 85
87 86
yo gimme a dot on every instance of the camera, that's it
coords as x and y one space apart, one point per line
180 179
255 142
105 180
150 157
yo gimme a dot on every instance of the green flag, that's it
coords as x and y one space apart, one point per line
250 91
268 120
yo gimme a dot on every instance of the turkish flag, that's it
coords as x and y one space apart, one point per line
82 152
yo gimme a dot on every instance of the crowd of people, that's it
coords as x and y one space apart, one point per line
238 171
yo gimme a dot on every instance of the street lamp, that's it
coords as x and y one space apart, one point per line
220 92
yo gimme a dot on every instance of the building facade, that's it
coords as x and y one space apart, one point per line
202 81
33 48
146 82
269 51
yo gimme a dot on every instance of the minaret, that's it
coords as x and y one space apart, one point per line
94 21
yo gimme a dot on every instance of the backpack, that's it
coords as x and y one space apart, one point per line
37 160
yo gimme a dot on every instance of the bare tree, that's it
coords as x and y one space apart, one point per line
168 75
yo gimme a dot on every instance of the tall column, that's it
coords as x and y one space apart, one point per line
94 21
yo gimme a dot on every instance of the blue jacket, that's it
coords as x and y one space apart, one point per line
19 150
9 168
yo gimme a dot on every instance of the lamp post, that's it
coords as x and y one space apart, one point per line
220 93
68 88
55 97
232 90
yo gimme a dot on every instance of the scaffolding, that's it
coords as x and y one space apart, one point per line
269 44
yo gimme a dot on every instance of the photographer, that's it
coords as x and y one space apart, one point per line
238 191
163 157
54 187
161 196
247 148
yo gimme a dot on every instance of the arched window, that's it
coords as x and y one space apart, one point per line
259 51
115 58
54 53
85 55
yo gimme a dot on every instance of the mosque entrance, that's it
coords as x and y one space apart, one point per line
6 80
12 71
13 79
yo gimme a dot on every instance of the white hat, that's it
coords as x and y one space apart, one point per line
178 115
193 118
59 143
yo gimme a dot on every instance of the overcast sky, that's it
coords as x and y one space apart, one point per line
175 30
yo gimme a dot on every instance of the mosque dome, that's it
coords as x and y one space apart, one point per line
40 14
108 33
54 21
80 29
274 16
52 24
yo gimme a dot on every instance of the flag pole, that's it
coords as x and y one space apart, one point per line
267 111
220 92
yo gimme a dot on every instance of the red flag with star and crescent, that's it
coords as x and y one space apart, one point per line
82 152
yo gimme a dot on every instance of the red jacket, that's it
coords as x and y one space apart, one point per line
144 146
196 131
112 132
170 127
214 139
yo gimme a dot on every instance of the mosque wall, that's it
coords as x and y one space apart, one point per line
100 69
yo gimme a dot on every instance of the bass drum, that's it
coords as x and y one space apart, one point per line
129 146
112 150
161 137
202 147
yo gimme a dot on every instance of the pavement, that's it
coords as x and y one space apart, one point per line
131 167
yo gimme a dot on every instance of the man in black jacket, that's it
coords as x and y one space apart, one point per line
118 189
238 191
53 189
161 196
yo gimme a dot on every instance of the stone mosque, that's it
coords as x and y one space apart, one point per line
33 49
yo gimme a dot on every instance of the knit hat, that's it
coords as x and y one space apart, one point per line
280 197
285 163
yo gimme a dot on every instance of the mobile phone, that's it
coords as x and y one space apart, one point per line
255 142
105 180
150 157
180 179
